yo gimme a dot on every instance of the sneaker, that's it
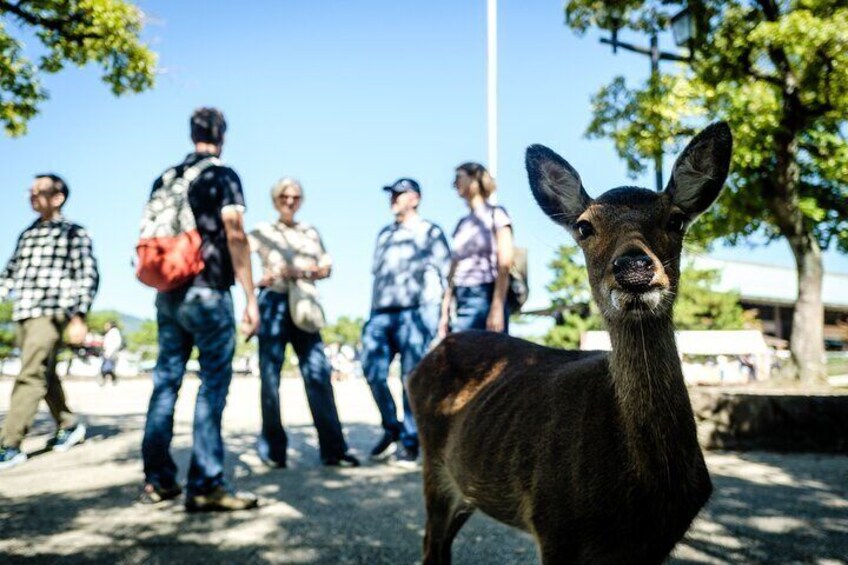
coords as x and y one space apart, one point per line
67 438
405 457
151 494
385 447
343 460
221 500
11 457
273 464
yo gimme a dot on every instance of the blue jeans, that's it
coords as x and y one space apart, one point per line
194 316
276 330
472 307
406 331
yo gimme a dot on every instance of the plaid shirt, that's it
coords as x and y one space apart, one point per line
52 271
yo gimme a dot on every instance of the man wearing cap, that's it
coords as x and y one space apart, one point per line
52 277
411 263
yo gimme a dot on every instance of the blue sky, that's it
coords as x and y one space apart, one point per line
346 97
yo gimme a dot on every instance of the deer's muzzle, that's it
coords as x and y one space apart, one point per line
634 272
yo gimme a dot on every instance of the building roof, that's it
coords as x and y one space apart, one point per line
756 282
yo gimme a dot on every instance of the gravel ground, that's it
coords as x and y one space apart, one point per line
78 507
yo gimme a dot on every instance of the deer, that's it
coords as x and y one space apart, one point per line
594 454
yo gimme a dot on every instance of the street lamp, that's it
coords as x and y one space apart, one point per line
683 33
683 27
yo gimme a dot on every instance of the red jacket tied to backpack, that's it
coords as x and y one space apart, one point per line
168 249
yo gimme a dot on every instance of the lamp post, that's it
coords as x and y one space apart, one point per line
682 29
492 84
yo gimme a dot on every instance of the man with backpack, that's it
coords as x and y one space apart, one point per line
411 263
192 250
52 277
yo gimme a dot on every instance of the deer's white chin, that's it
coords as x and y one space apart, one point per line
623 301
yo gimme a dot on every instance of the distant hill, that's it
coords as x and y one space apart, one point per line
131 323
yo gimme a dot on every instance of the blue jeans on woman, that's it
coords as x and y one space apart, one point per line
276 330
472 307
187 317
407 331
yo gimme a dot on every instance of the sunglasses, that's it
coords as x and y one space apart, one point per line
294 197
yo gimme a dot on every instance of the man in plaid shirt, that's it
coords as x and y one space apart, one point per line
53 278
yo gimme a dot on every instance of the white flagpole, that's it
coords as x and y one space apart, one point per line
492 85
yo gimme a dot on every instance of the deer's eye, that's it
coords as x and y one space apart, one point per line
584 229
676 223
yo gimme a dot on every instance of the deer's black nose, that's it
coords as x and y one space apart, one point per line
634 271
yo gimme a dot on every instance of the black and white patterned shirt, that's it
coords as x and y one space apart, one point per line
52 271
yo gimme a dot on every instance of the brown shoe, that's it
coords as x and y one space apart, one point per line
221 500
151 494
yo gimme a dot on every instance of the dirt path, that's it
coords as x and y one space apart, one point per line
78 507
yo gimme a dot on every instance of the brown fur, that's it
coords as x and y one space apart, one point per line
595 455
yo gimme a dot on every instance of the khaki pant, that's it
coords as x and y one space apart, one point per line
40 339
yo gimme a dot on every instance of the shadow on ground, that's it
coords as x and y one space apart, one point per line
309 513
772 509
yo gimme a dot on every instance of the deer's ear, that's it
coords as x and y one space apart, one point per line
556 185
700 171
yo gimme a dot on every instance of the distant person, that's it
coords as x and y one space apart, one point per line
482 256
292 253
52 277
411 262
201 313
113 342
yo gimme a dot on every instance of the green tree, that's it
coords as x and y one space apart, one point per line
346 331
7 330
97 320
144 340
571 300
699 306
105 32
778 73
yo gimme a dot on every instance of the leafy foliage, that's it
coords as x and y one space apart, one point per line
105 32
7 330
97 319
346 331
144 340
571 298
777 72
700 307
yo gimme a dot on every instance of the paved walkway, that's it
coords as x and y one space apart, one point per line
78 507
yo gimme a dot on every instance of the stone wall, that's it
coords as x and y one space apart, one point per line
776 422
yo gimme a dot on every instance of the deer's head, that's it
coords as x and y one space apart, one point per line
632 237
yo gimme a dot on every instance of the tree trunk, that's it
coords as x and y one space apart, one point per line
807 340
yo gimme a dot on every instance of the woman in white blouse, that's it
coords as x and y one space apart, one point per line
292 252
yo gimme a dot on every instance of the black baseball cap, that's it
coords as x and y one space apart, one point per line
403 185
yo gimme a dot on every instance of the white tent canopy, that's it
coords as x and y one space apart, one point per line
724 342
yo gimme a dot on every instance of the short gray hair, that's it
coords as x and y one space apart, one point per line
283 184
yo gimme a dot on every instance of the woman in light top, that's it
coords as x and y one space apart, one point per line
292 251
482 255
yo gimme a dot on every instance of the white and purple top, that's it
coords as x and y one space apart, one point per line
475 247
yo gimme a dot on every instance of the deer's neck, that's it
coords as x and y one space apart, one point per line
653 402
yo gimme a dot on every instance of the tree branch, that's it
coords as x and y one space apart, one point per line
663 55
53 24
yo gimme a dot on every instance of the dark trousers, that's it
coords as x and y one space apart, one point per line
407 332
472 307
276 331
203 317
